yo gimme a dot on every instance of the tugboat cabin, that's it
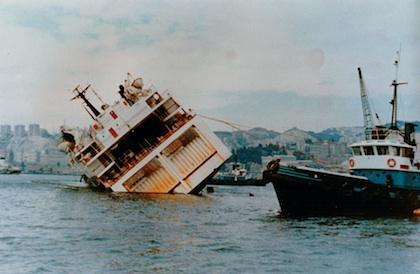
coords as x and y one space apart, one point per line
385 162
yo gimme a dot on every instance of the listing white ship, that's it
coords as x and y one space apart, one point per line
145 142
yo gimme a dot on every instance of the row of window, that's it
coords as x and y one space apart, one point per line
383 150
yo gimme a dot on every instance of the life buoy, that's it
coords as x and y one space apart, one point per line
351 163
391 162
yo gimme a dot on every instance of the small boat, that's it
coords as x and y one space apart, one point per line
384 177
6 168
236 173
145 143
236 176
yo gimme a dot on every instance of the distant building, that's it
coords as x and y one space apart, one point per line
19 131
34 130
5 130
44 133
53 159
339 149
328 151
320 150
31 157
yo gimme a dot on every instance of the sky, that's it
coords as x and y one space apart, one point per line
272 64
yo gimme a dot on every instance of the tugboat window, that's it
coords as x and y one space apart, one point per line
396 151
382 150
357 151
407 152
368 150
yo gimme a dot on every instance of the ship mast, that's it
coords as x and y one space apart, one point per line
82 95
395 84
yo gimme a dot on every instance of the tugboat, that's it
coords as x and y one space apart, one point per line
384 177
145 143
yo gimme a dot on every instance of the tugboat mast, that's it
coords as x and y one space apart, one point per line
393 102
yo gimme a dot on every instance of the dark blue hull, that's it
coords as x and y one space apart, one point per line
310 192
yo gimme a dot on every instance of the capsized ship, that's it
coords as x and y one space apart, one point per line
384 177
145 142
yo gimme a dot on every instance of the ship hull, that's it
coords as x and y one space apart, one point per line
310 192
9 171
95 185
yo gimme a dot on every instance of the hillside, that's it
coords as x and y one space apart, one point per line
256 136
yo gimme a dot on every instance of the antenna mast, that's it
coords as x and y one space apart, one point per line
395 84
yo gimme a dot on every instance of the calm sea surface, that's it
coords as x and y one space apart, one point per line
55 224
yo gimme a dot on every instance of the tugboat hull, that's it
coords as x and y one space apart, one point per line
311 192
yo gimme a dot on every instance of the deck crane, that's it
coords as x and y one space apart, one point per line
367 113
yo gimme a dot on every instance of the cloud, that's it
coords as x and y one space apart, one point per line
210 54
283 110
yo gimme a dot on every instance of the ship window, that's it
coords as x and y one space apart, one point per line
382 150
356 151
166 109
112 175
154 100
96 147
88 154
396 151
104 159
407 152
368 150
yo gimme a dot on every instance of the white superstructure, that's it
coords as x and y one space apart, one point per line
146 142
383 155
388 155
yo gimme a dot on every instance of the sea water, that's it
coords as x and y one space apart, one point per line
55 224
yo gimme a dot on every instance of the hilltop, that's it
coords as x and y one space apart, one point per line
259 135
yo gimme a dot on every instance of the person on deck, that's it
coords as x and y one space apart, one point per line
122 94
274 165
